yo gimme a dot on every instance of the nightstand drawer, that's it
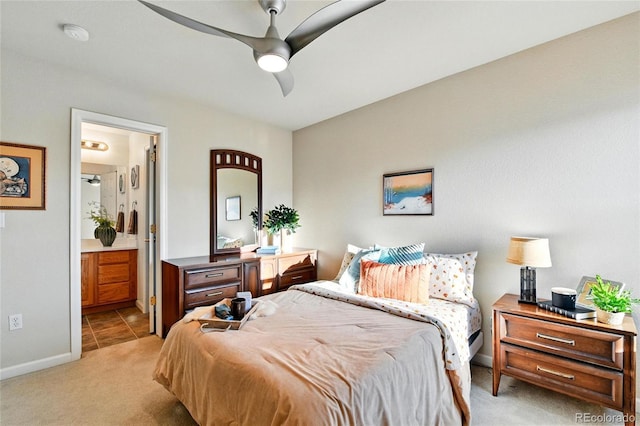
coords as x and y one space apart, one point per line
201 277
579 343
596 384
209 296
288 264
298 277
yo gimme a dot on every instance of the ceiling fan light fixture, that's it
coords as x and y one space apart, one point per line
272 63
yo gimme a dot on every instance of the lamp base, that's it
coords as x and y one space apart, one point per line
528 286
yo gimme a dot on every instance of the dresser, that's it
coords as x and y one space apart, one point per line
585 359
205 280
109 280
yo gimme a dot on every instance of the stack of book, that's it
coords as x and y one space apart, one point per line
579 312
268 250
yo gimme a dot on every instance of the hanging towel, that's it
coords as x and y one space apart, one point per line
133 222
120 222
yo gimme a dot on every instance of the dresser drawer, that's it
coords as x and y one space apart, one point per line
106 257
596 384
289 264
300 276
209 295
195 278
578 343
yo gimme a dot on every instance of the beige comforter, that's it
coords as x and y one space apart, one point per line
315 361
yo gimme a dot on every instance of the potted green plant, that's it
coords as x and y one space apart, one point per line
104 231
283 220
611 303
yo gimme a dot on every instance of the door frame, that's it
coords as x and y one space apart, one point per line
77 118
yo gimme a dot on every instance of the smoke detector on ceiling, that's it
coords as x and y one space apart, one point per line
75 32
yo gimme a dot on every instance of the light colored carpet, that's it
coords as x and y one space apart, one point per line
113 386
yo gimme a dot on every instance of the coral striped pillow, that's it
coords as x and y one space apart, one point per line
409 283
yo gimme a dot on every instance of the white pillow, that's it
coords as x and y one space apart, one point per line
452 276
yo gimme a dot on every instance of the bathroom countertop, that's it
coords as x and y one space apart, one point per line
93 245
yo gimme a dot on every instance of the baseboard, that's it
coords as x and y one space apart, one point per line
141 306
482 360
32 366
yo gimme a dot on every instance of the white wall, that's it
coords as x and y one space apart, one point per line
541 143
36 102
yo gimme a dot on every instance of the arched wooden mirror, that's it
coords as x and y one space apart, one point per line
236 191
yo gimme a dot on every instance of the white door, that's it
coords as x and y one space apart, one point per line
150 240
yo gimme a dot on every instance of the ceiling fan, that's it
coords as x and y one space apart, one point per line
95 180
271 52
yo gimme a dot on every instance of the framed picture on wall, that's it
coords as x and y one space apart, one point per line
408 193
122 186
135 176
233 208
22 176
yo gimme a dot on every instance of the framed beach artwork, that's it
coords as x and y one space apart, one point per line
583 290
22 176
408 193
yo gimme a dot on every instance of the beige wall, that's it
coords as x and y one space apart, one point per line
541 143
34 264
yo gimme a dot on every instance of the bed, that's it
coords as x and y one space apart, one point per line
326 355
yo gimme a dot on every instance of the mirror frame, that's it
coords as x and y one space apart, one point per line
230 159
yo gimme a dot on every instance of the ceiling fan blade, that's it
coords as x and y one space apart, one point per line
255 43
325 19
285 79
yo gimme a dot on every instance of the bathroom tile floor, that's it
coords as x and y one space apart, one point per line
112 327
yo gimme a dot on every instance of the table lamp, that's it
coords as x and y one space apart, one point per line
531 253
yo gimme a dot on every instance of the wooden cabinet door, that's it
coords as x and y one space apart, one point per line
268 275
88 278
251 278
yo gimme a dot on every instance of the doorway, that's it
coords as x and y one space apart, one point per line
154 139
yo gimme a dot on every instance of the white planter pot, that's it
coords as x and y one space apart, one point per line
611 318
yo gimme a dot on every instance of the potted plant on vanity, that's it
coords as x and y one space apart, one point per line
283 220
611 303
104 231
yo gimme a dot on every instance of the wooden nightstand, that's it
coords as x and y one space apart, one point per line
585 359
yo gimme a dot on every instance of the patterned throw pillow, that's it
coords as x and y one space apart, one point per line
452 276
409 283
404 255
347 259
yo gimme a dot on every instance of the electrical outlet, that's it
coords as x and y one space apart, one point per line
15 322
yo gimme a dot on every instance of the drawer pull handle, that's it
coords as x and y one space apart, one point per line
297 277
556 339
556 373
218 274
217 293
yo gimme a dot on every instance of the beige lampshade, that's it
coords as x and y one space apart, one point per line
529 251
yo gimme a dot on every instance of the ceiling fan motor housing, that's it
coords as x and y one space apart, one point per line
276 6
